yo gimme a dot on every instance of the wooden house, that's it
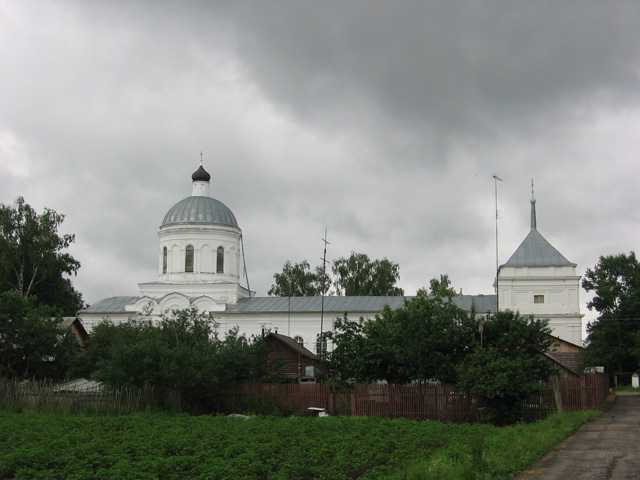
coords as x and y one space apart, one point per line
291 360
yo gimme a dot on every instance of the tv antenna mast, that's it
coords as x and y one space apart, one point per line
324 286
495 182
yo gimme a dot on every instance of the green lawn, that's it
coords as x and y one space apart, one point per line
156 445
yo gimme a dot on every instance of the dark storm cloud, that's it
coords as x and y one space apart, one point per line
381 122
448 67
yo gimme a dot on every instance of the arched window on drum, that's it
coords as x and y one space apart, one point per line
164 260
188 259
220 260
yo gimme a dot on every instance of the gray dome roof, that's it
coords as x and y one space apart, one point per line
200 210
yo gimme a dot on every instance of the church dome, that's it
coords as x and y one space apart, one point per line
201 175
200 211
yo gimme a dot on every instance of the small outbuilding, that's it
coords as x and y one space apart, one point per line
291 359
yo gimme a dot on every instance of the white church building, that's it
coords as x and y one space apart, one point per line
201 264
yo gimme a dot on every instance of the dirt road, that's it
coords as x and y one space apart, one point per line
608 448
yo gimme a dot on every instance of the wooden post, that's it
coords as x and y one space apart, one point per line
353 403
557 394
331 402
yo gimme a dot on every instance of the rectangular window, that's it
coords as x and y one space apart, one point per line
538 299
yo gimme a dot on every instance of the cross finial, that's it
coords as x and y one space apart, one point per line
532 195
200 157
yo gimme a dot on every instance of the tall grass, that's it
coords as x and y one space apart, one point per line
496 453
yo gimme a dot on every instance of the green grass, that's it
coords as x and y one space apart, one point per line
164 446
627 388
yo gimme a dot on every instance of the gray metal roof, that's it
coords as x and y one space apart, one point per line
359 304
200 210
481 303
536 251
110 305
314 304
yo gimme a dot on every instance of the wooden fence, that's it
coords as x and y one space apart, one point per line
49 396
429 401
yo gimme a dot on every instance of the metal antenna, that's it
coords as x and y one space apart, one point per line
324 275
244 263
495 181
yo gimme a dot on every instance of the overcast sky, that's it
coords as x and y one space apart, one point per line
381 122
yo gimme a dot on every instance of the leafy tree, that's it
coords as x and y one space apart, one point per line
31 344
421 341
33 260
365 350
296 280
614 338
358 275
181 352
510 365
436 336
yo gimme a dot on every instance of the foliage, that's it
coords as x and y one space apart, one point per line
31 344
297 280
509 366
358 275
181 446
33 260
181 352
388 347
614 338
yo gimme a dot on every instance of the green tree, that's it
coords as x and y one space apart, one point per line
423 340
613 339
436 336
358 275
296 280
365 350
182 351
31 343
33 260
510 365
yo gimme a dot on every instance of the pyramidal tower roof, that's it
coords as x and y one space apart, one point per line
535 250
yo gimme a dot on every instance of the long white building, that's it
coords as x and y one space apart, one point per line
201 263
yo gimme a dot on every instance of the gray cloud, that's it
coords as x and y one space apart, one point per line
380 122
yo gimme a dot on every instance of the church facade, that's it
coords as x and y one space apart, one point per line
201 264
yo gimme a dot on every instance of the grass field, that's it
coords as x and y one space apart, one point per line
164 446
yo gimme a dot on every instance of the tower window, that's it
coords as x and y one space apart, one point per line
298 339
220 260
538 299
164 260
188 259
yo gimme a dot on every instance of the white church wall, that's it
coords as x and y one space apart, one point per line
546 292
